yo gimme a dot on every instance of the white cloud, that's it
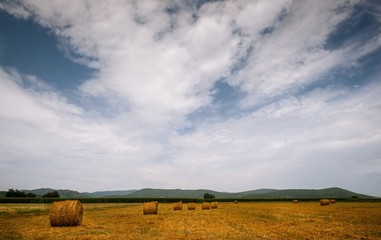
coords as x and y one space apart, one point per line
292 55
44 134
155 69
309 138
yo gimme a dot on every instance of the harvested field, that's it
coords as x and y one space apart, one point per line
262 220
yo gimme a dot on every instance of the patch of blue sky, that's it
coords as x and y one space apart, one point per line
225 105
356 30
33 50
371 64
224 94
359 27
361 73
267 30
199 3
347 78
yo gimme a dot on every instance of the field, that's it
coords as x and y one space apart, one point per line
261 220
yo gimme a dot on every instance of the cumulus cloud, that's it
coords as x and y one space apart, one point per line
293 139
43 134
157 64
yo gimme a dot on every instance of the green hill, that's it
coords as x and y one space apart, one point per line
307 193
253 194
64 193
117 193
199 193
175 193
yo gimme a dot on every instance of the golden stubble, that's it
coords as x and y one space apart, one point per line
262 220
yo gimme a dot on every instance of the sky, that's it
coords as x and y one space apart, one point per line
223 95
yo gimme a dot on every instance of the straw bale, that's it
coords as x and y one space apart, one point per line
332 201
205 206
295 201
150 208
66 213
214 205
178 206
192 206
324 202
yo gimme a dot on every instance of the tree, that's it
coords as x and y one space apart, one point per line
30 195
15 193
209 196
53 194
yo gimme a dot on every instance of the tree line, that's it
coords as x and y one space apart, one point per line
20 194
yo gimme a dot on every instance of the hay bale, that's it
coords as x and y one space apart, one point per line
332 201
178 206
66 213
295 201
205 206
324 202
235 202
192 206
214 205
150 208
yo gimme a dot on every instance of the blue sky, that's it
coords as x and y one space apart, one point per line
225 95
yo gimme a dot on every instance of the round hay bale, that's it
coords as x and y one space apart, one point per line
332 201
235 202
66 213
150 208
205 206
192 206
178 206
295 201
324 202
214 205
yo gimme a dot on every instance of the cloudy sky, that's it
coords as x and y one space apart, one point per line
225 95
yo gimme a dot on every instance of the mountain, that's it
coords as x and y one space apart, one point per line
306 193
199 193
117 193
258 193
64 193
178 193
253 194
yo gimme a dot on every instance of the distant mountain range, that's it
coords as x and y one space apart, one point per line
199 193
259 193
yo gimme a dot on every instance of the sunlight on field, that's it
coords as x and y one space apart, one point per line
230 221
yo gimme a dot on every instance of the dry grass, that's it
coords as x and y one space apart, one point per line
66 213
262 220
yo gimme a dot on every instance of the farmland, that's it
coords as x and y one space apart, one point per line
258 220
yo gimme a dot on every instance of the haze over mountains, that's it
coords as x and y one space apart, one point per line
333 192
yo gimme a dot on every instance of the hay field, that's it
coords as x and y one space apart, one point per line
262 220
